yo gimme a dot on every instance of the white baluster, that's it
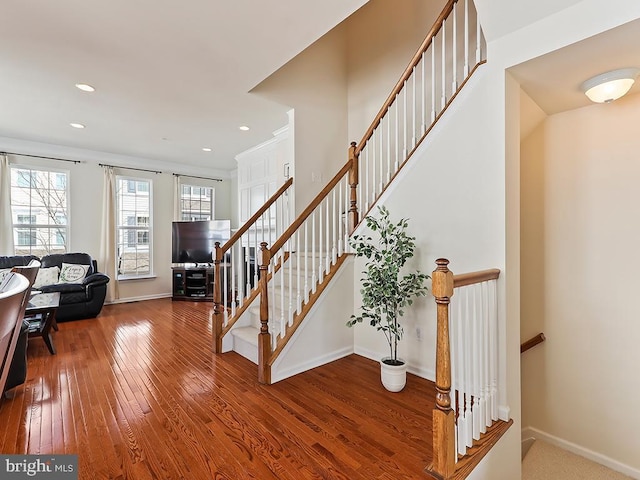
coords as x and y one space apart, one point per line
366 163
314 277
334 233
373 169
345 220
433 81
341 210
397 145
493 348
469 372
328 239
466 38
405 150
443 100
306 262
413 109
475 348
298 284
478 39
380 132
423 91
454 50
388 146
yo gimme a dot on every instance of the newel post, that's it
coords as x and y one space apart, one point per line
353 183
264 338
444 449
217 318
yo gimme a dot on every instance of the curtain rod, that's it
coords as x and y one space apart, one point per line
201 178
130 168
38 156
105 165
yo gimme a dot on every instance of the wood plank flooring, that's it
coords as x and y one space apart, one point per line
137 394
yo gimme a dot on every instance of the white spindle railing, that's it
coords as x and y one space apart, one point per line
403 122
304 256
239 258
473 326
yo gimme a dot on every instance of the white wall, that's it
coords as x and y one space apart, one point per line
314 85
85 206
580 261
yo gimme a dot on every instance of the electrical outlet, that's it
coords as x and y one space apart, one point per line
418 333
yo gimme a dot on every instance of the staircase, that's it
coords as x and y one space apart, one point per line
285 291
280 266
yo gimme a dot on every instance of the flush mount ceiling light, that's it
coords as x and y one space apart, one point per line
77 125
610 86
244 128
85 87
206 149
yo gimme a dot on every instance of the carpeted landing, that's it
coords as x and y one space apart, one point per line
548 462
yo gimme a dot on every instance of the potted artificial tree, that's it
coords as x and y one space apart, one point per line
385 293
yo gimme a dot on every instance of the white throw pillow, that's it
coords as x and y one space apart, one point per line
46 276
73 273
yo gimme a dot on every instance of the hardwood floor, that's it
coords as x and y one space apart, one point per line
137 394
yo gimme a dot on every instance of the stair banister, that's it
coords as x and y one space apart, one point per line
247 225
407 73
532 342
464 279
444 448
466 410
218 327
278 244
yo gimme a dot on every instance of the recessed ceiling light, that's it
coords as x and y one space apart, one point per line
85 87
77 125
206 149
244 128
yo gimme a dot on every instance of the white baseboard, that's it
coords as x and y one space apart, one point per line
582 451
316 362
139 299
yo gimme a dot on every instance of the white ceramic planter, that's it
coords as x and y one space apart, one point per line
394 377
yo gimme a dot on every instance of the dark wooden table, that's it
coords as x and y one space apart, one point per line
41 316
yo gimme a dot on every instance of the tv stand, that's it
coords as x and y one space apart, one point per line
194 283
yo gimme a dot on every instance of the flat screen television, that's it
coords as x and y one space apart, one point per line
194 242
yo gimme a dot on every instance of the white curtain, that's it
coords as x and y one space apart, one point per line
176 198
6 223
108 238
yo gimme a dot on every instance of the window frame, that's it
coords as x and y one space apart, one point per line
187 215
54 230
134 229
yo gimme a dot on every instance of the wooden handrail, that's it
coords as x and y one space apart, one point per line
470 278
236 236
277 245
407 73
532 342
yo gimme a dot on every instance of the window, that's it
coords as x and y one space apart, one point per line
196 203
133 224
39 210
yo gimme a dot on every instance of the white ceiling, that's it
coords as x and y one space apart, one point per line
171 77
553 80
501 17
